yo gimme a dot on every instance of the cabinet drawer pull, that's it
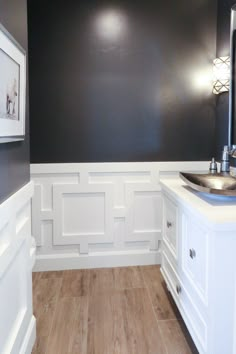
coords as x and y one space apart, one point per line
192 253
178 289
169 224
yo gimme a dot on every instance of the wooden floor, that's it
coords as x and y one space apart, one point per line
107 311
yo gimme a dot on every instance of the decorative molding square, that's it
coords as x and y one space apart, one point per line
82 224
144 220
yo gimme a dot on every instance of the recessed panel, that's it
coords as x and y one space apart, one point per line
83 213
147 211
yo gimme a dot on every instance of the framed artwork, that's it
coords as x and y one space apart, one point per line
12 88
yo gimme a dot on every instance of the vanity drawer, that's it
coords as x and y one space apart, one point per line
195 321
170 225
171 256
170 277
195 256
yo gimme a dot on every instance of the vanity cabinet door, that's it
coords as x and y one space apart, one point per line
195 321
195 255
170 226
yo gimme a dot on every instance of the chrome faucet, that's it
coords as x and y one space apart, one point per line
224 165
228 153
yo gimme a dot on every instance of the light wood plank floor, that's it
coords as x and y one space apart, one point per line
107 311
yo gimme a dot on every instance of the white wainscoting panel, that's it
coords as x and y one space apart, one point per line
87 215
17 257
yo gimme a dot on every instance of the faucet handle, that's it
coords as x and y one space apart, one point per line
213 166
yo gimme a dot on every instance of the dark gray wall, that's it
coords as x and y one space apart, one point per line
14 157
125 98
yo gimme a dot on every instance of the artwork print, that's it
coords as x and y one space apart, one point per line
12 88
9 87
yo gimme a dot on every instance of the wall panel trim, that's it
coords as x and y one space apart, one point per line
17 257
99 214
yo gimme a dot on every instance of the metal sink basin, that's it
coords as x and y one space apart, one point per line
223 184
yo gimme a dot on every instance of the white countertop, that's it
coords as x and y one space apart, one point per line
213 209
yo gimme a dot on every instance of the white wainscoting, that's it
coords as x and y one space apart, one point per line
17 257
99 214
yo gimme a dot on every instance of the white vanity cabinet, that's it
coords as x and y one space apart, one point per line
199 263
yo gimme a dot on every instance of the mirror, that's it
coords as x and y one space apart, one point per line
232 115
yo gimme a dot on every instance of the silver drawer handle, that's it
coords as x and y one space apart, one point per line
178 289
192 253
169 224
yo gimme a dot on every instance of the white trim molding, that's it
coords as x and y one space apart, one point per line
87 215
17 257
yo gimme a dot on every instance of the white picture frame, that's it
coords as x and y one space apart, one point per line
12 88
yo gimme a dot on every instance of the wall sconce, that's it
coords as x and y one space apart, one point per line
221 75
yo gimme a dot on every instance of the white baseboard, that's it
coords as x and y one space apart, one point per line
101 260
